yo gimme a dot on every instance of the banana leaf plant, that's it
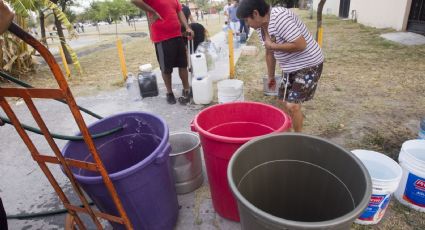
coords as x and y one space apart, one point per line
14 54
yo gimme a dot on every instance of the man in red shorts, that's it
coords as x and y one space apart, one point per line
165 18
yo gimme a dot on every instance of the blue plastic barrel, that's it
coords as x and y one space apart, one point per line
137 160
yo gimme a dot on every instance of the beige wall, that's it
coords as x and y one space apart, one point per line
374 13
381 13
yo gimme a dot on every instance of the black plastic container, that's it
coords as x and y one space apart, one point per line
148 84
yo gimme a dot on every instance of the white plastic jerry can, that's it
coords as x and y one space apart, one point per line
199 64
202 90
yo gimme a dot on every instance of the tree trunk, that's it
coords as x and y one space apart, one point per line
302 4
61 35
319 16
42 27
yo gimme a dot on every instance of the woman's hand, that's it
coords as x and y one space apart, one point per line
272 83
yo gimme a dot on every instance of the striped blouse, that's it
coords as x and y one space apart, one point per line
285 26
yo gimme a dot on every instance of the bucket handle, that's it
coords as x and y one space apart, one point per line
162 156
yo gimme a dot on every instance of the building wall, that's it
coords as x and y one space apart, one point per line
374 13
381 13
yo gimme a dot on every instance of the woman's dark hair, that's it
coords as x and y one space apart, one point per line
247 7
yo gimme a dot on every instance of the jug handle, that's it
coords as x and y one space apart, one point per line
162 156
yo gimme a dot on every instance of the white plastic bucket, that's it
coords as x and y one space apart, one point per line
230 90
411 191
386 175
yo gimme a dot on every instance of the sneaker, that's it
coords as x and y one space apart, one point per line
170 98
185 98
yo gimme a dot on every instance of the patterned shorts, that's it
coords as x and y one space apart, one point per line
302 84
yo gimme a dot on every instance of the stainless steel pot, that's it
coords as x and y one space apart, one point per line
186 161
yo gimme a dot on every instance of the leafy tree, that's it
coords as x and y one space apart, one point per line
202 4
58 24
16 55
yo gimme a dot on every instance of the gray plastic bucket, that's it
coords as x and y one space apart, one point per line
186 161
296 181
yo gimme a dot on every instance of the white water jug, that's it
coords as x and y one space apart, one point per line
202 90
199 65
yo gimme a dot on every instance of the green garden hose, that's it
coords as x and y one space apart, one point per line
26 85
63 137
54 135
40 214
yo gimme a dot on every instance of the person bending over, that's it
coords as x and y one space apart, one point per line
289 43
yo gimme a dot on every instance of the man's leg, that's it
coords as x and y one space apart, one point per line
184 76
168 85
296 115
167 81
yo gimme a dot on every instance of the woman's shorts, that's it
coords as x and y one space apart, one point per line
302 84
171 53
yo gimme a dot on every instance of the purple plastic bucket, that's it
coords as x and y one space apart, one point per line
137 160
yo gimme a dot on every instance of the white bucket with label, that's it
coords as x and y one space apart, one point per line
411 191
386 175
230 90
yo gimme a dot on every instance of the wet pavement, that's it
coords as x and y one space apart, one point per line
25 189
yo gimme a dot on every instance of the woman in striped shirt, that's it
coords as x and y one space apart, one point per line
287 41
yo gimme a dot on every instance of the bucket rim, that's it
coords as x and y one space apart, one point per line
404 146
198 142
237 140
390 161
162 146
229 80
352 215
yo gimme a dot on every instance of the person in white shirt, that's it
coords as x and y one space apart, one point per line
233 19
289 43
226 12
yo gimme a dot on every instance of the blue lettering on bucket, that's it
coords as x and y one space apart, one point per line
415 190
376 208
